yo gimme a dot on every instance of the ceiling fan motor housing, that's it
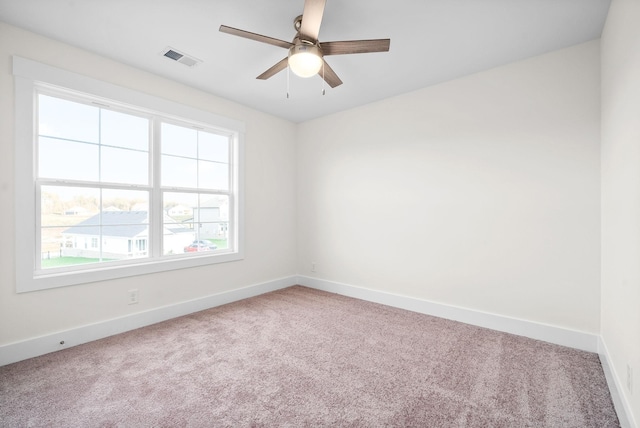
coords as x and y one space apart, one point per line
303 48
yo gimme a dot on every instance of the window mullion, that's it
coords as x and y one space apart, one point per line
156 209
38 226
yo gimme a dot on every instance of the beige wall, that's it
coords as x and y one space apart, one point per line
482 192
270 245
620 326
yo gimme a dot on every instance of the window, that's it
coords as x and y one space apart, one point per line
111 182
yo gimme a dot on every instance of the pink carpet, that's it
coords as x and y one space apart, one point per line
304 358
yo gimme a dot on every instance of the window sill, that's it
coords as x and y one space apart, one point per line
104 273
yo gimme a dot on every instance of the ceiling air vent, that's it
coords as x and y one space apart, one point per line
180 57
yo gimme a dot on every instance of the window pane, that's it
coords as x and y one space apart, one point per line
194 159
213 175
124 166
67 119
195 223
179 172
213 147
77 230
67 160
179 141
63 210
67 206
125 224
211 219
178 231
124 130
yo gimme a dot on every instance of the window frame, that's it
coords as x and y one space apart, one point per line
29 76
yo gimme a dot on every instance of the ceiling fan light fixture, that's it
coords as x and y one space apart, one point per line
305 60
306 53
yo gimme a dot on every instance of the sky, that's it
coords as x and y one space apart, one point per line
91 144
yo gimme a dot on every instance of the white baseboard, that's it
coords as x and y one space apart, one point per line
616 387
548 333
29 348
22 350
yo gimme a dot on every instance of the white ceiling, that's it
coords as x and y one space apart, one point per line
431 41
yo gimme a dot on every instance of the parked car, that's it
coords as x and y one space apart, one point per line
207 243
197 246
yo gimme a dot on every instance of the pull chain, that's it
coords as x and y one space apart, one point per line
323 81
288 82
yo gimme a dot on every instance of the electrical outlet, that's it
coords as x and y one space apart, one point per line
630 379
313 266
133 296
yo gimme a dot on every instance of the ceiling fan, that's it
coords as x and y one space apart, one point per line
306 53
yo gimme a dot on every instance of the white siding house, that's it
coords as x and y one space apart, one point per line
121 235
211 219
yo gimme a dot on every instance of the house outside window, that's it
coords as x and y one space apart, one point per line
120 181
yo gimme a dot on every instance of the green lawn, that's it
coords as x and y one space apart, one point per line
220 243
71 261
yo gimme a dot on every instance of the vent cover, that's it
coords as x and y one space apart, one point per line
181 57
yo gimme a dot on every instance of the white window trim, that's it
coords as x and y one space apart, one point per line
27 75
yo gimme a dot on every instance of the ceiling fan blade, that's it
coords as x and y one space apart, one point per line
330 76
312 18
256 37
355 46
278 67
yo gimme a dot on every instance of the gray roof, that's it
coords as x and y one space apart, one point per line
123 224
176 228
126 224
